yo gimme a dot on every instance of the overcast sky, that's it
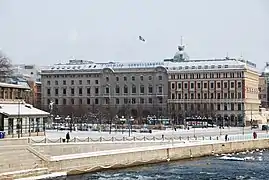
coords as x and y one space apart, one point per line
51 31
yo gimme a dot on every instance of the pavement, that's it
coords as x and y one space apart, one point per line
197 132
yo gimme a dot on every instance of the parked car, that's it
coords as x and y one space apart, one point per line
145 130
265 127
254 126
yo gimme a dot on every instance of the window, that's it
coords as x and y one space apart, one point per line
205 95
80 91
186 85
133 89
150 78
150 89
64 91
64 101
56 101
142 100
117 101
117 89
125 90
225 85
179 85
107 79
48 92
173 96
88 91
150 100
185 96
232 95
96 101
218 96
232 84
179 96
239 95
88 81
225 107
117 78
205 85
199 96
232 106
160 78
173 85
107 90
192 85
125 78
218 107
218 85
72 101
64 82
225 95
239 84
239 108
88 101
160 89
212 95
133 78
107 101
125 100
141 78
96 81
80 82
133 100
72 91
198 85
56 92
142 89
96 90
72 82
192 96
48 82
212 85
80 101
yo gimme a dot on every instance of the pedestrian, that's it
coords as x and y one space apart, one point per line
67 137
226 137
254 135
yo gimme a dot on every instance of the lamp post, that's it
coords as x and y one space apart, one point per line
68 119
57 118
130 120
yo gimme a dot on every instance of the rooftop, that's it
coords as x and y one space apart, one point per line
15 86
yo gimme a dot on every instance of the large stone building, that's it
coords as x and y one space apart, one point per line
225 90
134 89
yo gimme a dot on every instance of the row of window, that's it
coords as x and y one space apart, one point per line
206 75
96 81
107 90
106 101
230 95
205 85
211 107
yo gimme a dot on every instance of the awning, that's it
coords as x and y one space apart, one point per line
17 109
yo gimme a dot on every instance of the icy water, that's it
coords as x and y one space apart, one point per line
256 167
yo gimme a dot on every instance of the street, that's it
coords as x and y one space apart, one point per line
198 132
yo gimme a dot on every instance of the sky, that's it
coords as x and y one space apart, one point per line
49 31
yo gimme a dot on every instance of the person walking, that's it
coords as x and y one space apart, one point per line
67 137
226 137
254 135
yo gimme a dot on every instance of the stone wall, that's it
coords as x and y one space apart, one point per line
57 149
125 158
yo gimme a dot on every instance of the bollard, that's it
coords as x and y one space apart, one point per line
134 138
100 139
217 137
154 138
144 138
112 139
163 137
180 138
60 140
75 139
210 138
45 140
123 139
88 139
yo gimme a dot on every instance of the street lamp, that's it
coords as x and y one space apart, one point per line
68 119
130 120
122 120
57 118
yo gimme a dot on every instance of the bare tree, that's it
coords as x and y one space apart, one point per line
5 67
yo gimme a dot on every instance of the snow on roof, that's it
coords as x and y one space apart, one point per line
16 86
22 109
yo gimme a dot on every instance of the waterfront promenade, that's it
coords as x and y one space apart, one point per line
36 159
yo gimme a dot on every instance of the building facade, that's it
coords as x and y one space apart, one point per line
225 90
18 118
263 89
133 89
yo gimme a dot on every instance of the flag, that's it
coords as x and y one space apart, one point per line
141 39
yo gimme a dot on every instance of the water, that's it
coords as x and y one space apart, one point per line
208 168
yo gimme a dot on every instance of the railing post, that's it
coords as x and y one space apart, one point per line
88 139
60 140
100 139
45 140
210 138
144 138
75 139
112 139
134 138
